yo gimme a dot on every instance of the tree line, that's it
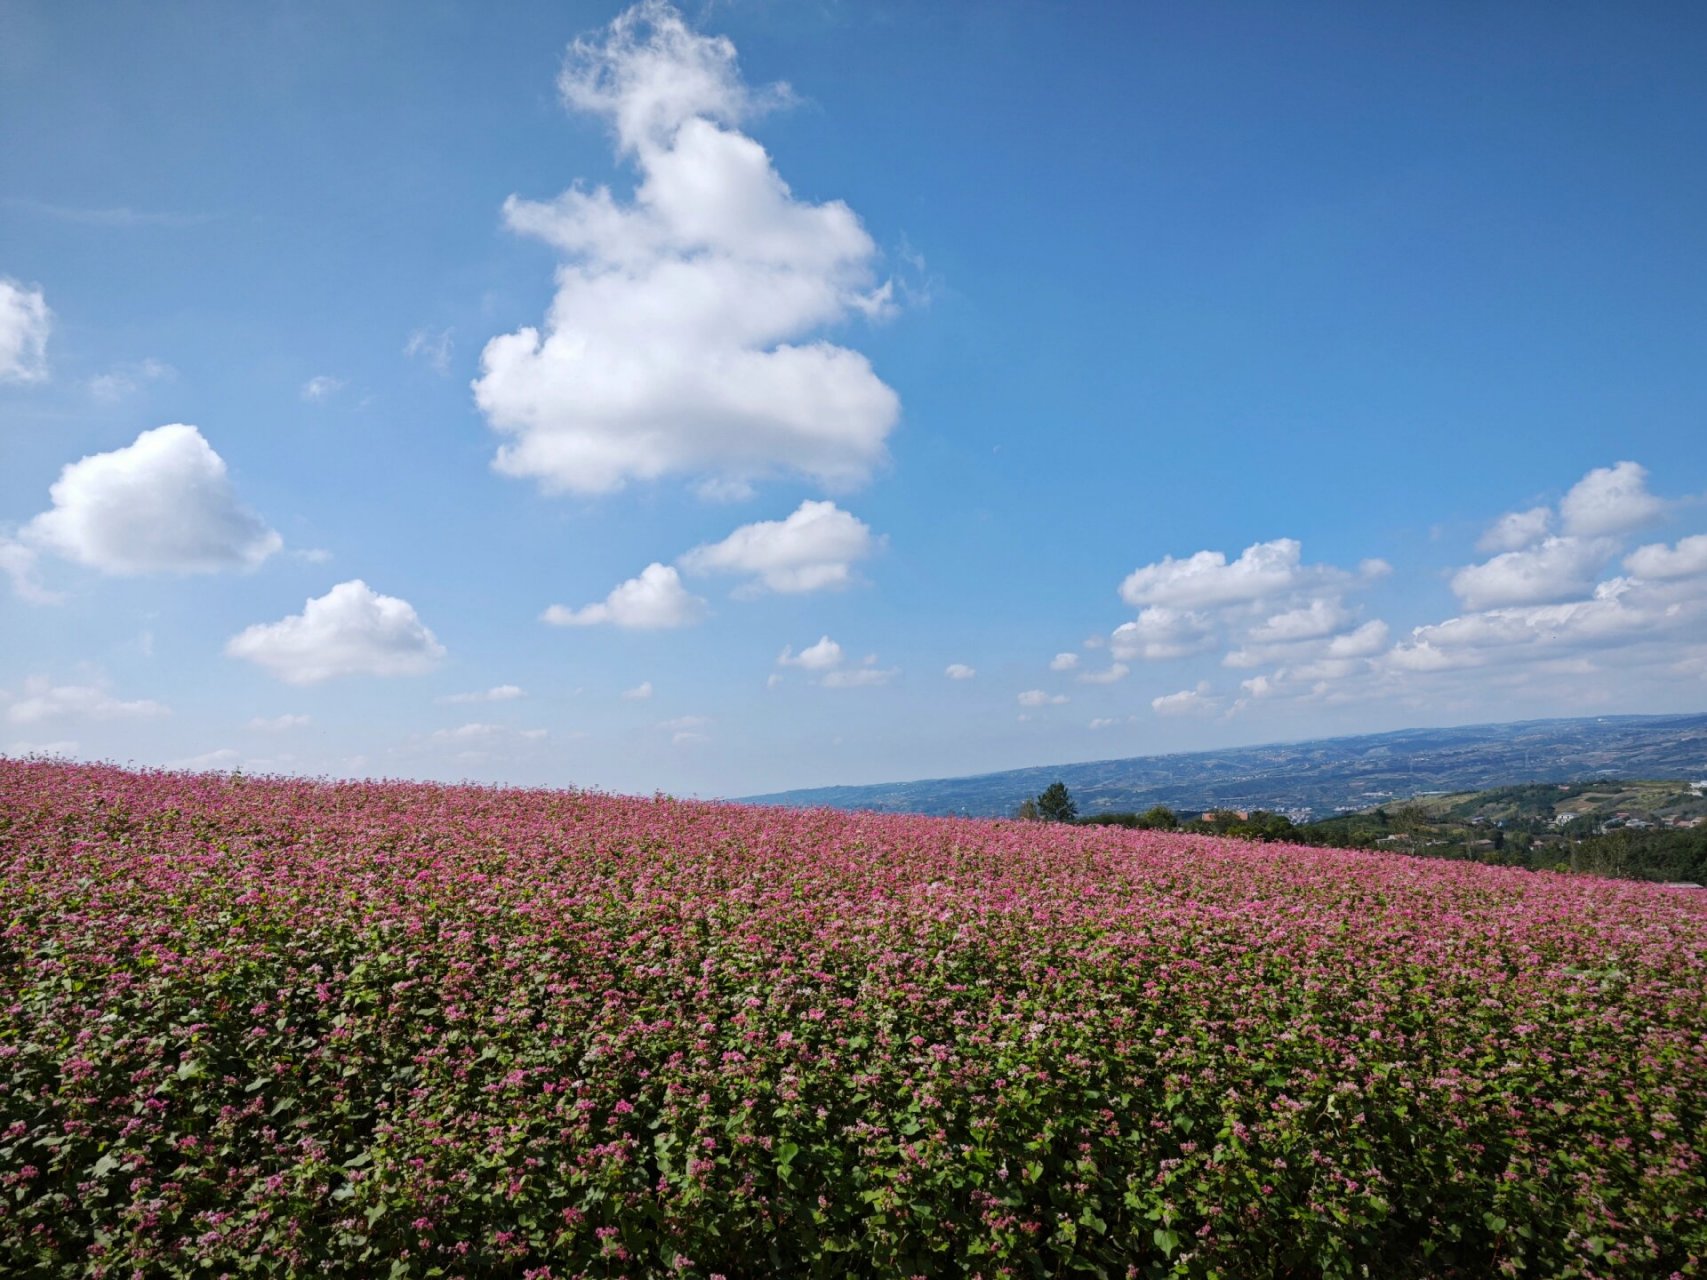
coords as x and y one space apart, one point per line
1658 854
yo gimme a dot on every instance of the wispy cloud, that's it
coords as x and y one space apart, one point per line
115 216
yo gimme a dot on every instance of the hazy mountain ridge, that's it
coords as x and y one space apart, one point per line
1315 778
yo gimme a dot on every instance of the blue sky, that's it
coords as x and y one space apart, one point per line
758 395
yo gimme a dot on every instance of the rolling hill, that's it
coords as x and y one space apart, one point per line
1316 778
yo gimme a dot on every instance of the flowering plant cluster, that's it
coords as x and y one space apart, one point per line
268 1027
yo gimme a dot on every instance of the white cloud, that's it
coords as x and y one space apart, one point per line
682 335
1185 702
278 724
1557 569
959 671
19 563
126 379
321 388
1258 686
1656 560
1610 500
817 657
1064 662
654 601
42 700
1115 672
1516 530
639 693
1365 642
814 548
1322 616
858 677
434 348
25 323
1317 657
351 630
162 504
1621 612
1207 579
497 693
1160 633
1040 698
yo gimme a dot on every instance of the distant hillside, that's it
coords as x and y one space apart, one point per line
1315 779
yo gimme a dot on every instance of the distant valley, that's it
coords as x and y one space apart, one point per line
1313 780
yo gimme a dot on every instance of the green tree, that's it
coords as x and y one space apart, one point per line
1158 818
1054 804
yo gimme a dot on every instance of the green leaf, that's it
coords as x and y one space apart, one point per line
1167 1241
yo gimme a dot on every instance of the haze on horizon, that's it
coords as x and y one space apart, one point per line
749 397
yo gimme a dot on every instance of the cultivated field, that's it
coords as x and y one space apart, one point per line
268 1027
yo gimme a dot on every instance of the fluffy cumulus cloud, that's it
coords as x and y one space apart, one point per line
1547 602
1687 559
1539 607
1364 642
1064 662
25 323
639 693
654 601
1610 500
1543 601
162 504
814 548
1160 633
825 662
1555 569
351 630
1264 606
685 334
1517 529
42 701
814 657
1620 613
1321 617
1262 571
278 724
959 671
1186 702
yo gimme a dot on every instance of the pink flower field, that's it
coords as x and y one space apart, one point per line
270 1027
